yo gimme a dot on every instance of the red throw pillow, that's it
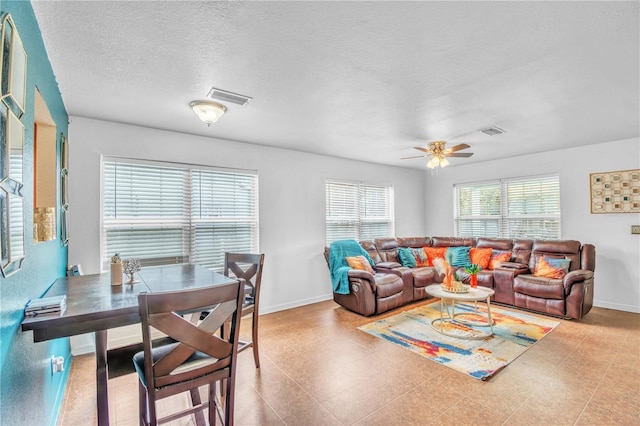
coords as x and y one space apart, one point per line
359 262
434 253
498 257
480 256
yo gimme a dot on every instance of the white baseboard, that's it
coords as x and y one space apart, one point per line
617 306
296 304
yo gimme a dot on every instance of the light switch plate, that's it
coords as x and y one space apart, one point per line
635 229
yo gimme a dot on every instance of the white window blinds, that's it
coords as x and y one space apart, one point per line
357 210
509 208
177 213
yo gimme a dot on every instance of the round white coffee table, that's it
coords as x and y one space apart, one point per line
451 326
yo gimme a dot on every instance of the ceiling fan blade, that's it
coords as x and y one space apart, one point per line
419 148
458 147
417 156
461 154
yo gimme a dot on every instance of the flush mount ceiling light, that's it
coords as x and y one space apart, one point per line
208 111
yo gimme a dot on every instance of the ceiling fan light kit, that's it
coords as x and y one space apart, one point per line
439 153
208 111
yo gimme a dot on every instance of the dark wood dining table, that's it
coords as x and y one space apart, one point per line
94 305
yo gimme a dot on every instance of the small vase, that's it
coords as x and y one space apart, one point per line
448 279
473 281
116 274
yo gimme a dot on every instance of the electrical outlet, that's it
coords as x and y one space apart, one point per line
57 364
635 229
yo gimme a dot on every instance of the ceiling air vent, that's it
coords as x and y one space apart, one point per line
228 96
492 131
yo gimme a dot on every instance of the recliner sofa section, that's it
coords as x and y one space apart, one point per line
513 282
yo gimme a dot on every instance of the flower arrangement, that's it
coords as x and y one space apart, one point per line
472 269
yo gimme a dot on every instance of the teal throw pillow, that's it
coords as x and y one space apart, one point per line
458 256
406 257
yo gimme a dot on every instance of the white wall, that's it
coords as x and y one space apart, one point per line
617 275
292 199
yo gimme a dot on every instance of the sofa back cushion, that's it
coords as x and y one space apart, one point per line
452 241
522 251
414 242
556 249
388 249
370 247
503 244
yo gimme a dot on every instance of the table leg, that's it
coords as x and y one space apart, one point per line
102 376
489 314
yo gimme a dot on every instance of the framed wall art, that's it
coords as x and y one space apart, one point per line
615 192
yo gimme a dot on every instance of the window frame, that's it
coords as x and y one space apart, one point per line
188 222
505 217
356 217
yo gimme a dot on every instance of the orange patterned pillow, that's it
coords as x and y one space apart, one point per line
421 257
545 269
359 262
498 257
434 253
480 256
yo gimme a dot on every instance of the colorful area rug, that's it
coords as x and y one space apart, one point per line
514 333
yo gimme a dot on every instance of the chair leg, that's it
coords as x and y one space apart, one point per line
254 337
195 401
213 408
229 402
142 404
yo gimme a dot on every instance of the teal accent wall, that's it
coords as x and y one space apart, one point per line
29 393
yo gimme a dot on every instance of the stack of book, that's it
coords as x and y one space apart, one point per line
46 305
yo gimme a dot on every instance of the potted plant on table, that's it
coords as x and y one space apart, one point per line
472 269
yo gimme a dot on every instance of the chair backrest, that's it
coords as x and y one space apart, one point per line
248 267
197 351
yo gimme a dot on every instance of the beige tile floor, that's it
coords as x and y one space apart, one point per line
318 369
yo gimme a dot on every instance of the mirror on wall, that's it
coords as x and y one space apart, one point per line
12 250
13 71
14 68
64 187
45 172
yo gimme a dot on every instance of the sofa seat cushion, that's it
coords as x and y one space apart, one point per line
388 285
545 288
423 277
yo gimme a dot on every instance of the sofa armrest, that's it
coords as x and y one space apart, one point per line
388 265
358 273
364 277
577 276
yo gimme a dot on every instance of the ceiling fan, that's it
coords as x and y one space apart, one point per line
439 153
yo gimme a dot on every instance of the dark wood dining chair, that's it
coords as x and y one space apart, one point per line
199 356
248 267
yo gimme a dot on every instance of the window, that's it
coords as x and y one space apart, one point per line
509 208
177 213
358 211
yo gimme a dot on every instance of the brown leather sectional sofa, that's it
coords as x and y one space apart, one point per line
394 285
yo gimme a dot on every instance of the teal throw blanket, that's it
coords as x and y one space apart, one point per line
338 266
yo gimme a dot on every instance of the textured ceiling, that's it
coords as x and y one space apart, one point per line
360 80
